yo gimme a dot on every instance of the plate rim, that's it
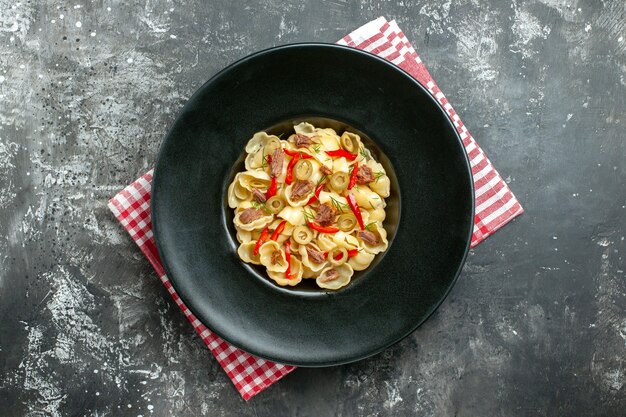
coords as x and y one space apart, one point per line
391 66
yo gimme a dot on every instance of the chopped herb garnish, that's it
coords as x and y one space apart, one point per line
369 226
379 175
339 205
362 152
308 215
371 205
261 206
317 148
281 135
265 162
320 181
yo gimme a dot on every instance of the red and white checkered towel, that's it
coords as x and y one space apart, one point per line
495 205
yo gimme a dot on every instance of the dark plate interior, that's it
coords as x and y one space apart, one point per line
386 302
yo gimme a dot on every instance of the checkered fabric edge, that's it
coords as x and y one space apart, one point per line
495 203
495 206
250 374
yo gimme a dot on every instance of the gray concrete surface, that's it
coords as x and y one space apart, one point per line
536 324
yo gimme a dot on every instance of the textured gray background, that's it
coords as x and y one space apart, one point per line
536 324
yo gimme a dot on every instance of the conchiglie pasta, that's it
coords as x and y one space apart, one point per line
341 165
381 186
361 261
272 256
366 197
261 222
296 271
246 253
325 243
300 202
304 128
258 141
328 139
308 262
244 236
344 275
377 215
254 179
308 273
294 215
382 244
328 197
258 148
237 194
346 240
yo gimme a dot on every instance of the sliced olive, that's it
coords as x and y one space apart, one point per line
302 235
338 255
339 181
275 204
350 142
346 222
303 169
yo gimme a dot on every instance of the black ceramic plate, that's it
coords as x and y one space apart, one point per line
430 211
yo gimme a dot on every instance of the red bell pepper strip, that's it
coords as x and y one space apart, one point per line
322 229
292 163
355 209
300 154
342 153
264 234
279 230
271 192
288 273
353 178
351 254
315 196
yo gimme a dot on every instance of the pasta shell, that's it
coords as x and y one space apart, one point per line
255 179
244 236
300 203
346 240
285 234
341 165
325 241
293 215
259 223
345 275
246 253
296 270
381 186
382 245
365 197
266 253
361 261
307 272
305 129
256 149
328 139
258 141
377 215
236 193
306 261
